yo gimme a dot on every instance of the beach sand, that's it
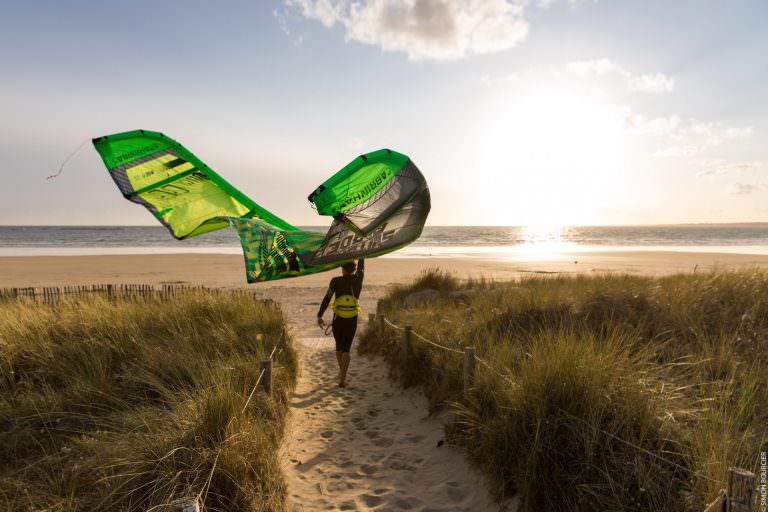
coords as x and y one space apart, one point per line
372 446
224 270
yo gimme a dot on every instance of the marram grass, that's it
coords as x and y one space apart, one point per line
605 393
123 405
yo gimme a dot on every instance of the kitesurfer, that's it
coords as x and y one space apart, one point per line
346 308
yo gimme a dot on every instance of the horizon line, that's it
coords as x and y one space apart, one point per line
679 224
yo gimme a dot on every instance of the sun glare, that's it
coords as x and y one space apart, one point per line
553 157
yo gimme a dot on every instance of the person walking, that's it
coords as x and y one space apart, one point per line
346 307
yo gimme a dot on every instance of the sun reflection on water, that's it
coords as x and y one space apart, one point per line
544 241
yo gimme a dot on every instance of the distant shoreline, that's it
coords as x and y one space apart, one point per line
520 251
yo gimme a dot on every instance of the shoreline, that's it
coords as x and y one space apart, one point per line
227 270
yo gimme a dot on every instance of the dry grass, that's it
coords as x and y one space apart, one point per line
128 405
607 393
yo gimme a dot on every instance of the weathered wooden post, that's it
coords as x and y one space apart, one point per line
740 494
371 319
186 505
266 379
407 340
469 368
111 291
381 324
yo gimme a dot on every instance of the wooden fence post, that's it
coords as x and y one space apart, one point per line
186 505
469 368
266 380
381 324
407 340
740 494
371 319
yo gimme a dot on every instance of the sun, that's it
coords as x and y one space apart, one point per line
550 157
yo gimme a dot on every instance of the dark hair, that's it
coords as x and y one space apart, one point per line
349 267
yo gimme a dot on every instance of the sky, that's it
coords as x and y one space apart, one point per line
524 112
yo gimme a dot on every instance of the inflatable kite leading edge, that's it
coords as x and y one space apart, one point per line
379 203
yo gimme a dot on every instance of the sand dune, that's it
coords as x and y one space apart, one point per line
371 446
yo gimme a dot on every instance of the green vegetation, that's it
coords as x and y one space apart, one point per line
604 393
130 404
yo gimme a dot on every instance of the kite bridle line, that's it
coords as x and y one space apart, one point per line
72 154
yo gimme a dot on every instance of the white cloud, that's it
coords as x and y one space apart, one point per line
677 152
745 188
327 12
715 133
546 4
653 83
424 29
283 24
647 126
596 66
698 134
716 167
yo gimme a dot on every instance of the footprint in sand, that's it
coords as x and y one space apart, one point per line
407 503
455 491
368 469
399 465
371 500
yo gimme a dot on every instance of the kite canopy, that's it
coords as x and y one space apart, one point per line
379 203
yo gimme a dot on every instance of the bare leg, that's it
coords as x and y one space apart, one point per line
343 366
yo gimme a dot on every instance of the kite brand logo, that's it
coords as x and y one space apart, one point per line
131 155
360 195
347 243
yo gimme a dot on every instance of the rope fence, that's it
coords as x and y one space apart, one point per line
740 494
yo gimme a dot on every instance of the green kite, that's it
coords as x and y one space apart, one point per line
379 203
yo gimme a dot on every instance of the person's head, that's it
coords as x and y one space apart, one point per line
348 268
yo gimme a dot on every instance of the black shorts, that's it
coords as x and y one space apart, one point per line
344 332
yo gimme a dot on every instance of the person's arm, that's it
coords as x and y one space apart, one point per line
358 286
325 303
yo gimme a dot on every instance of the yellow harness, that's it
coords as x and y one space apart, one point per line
346 306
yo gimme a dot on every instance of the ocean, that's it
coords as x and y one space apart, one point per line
445 241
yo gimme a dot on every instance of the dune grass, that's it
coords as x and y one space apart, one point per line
131 404
604 393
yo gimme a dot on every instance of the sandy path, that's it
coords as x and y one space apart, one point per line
371 446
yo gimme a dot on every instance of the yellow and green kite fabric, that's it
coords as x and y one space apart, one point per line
379 203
